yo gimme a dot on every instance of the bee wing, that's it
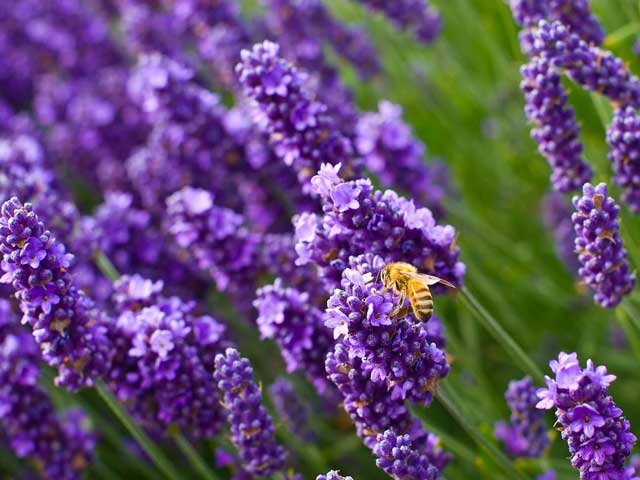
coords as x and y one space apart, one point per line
432 280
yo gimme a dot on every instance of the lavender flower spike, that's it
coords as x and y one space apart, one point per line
397 158
526 436
399 459
302 134
593 68
285 315
252 428
333 475
415 16
603 258
623 136
599 437
67 327
556 130
60 447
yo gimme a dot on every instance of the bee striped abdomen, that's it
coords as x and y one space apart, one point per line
421 301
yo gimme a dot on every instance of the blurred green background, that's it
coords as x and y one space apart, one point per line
461 95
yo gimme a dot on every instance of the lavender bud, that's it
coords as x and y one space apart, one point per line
623 137
603 258
400 460
556 129
252 428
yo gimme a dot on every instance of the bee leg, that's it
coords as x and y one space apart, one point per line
401 299
403 311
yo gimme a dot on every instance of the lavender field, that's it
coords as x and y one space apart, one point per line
319 239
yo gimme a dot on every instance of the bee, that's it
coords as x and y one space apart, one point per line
405 281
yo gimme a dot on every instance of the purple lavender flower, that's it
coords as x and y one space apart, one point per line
598 436
252 428
357 219
556 129
60 447
556 215
219 31
594 69
396 157
362 314
69 330
373 410
398 457
217 239
147 26
39 37
302 134
190 144
284 314
526 435
92 125
163 360
623 137
415 16
333 475
601 252
25 173
278 255
575 14
291 409
311 22
632 471
300 27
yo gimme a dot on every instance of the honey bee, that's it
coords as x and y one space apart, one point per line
405 281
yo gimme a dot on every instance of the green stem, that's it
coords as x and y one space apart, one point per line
105 266
502 336
458 448
447 398
623 316
621 34
196 460
155 454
